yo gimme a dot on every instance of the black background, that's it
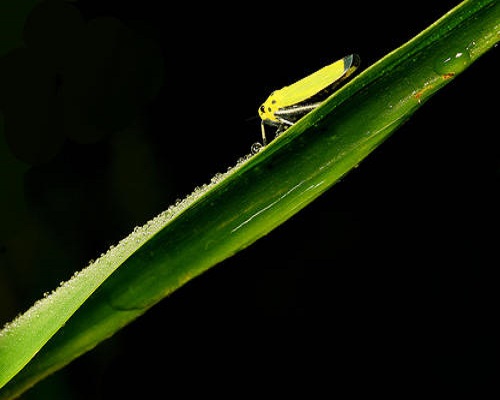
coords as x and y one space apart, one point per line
384 284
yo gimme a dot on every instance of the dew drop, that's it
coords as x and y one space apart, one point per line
217 178
453 63
256 147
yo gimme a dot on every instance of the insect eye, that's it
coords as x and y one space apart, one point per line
262 108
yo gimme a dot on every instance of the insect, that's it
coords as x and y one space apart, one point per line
287 105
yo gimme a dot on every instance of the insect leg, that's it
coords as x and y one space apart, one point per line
295 112
263 130
285 121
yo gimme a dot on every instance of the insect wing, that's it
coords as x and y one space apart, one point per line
317 82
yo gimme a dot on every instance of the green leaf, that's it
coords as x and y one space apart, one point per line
244 204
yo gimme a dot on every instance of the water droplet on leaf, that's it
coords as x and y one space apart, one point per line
453 64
